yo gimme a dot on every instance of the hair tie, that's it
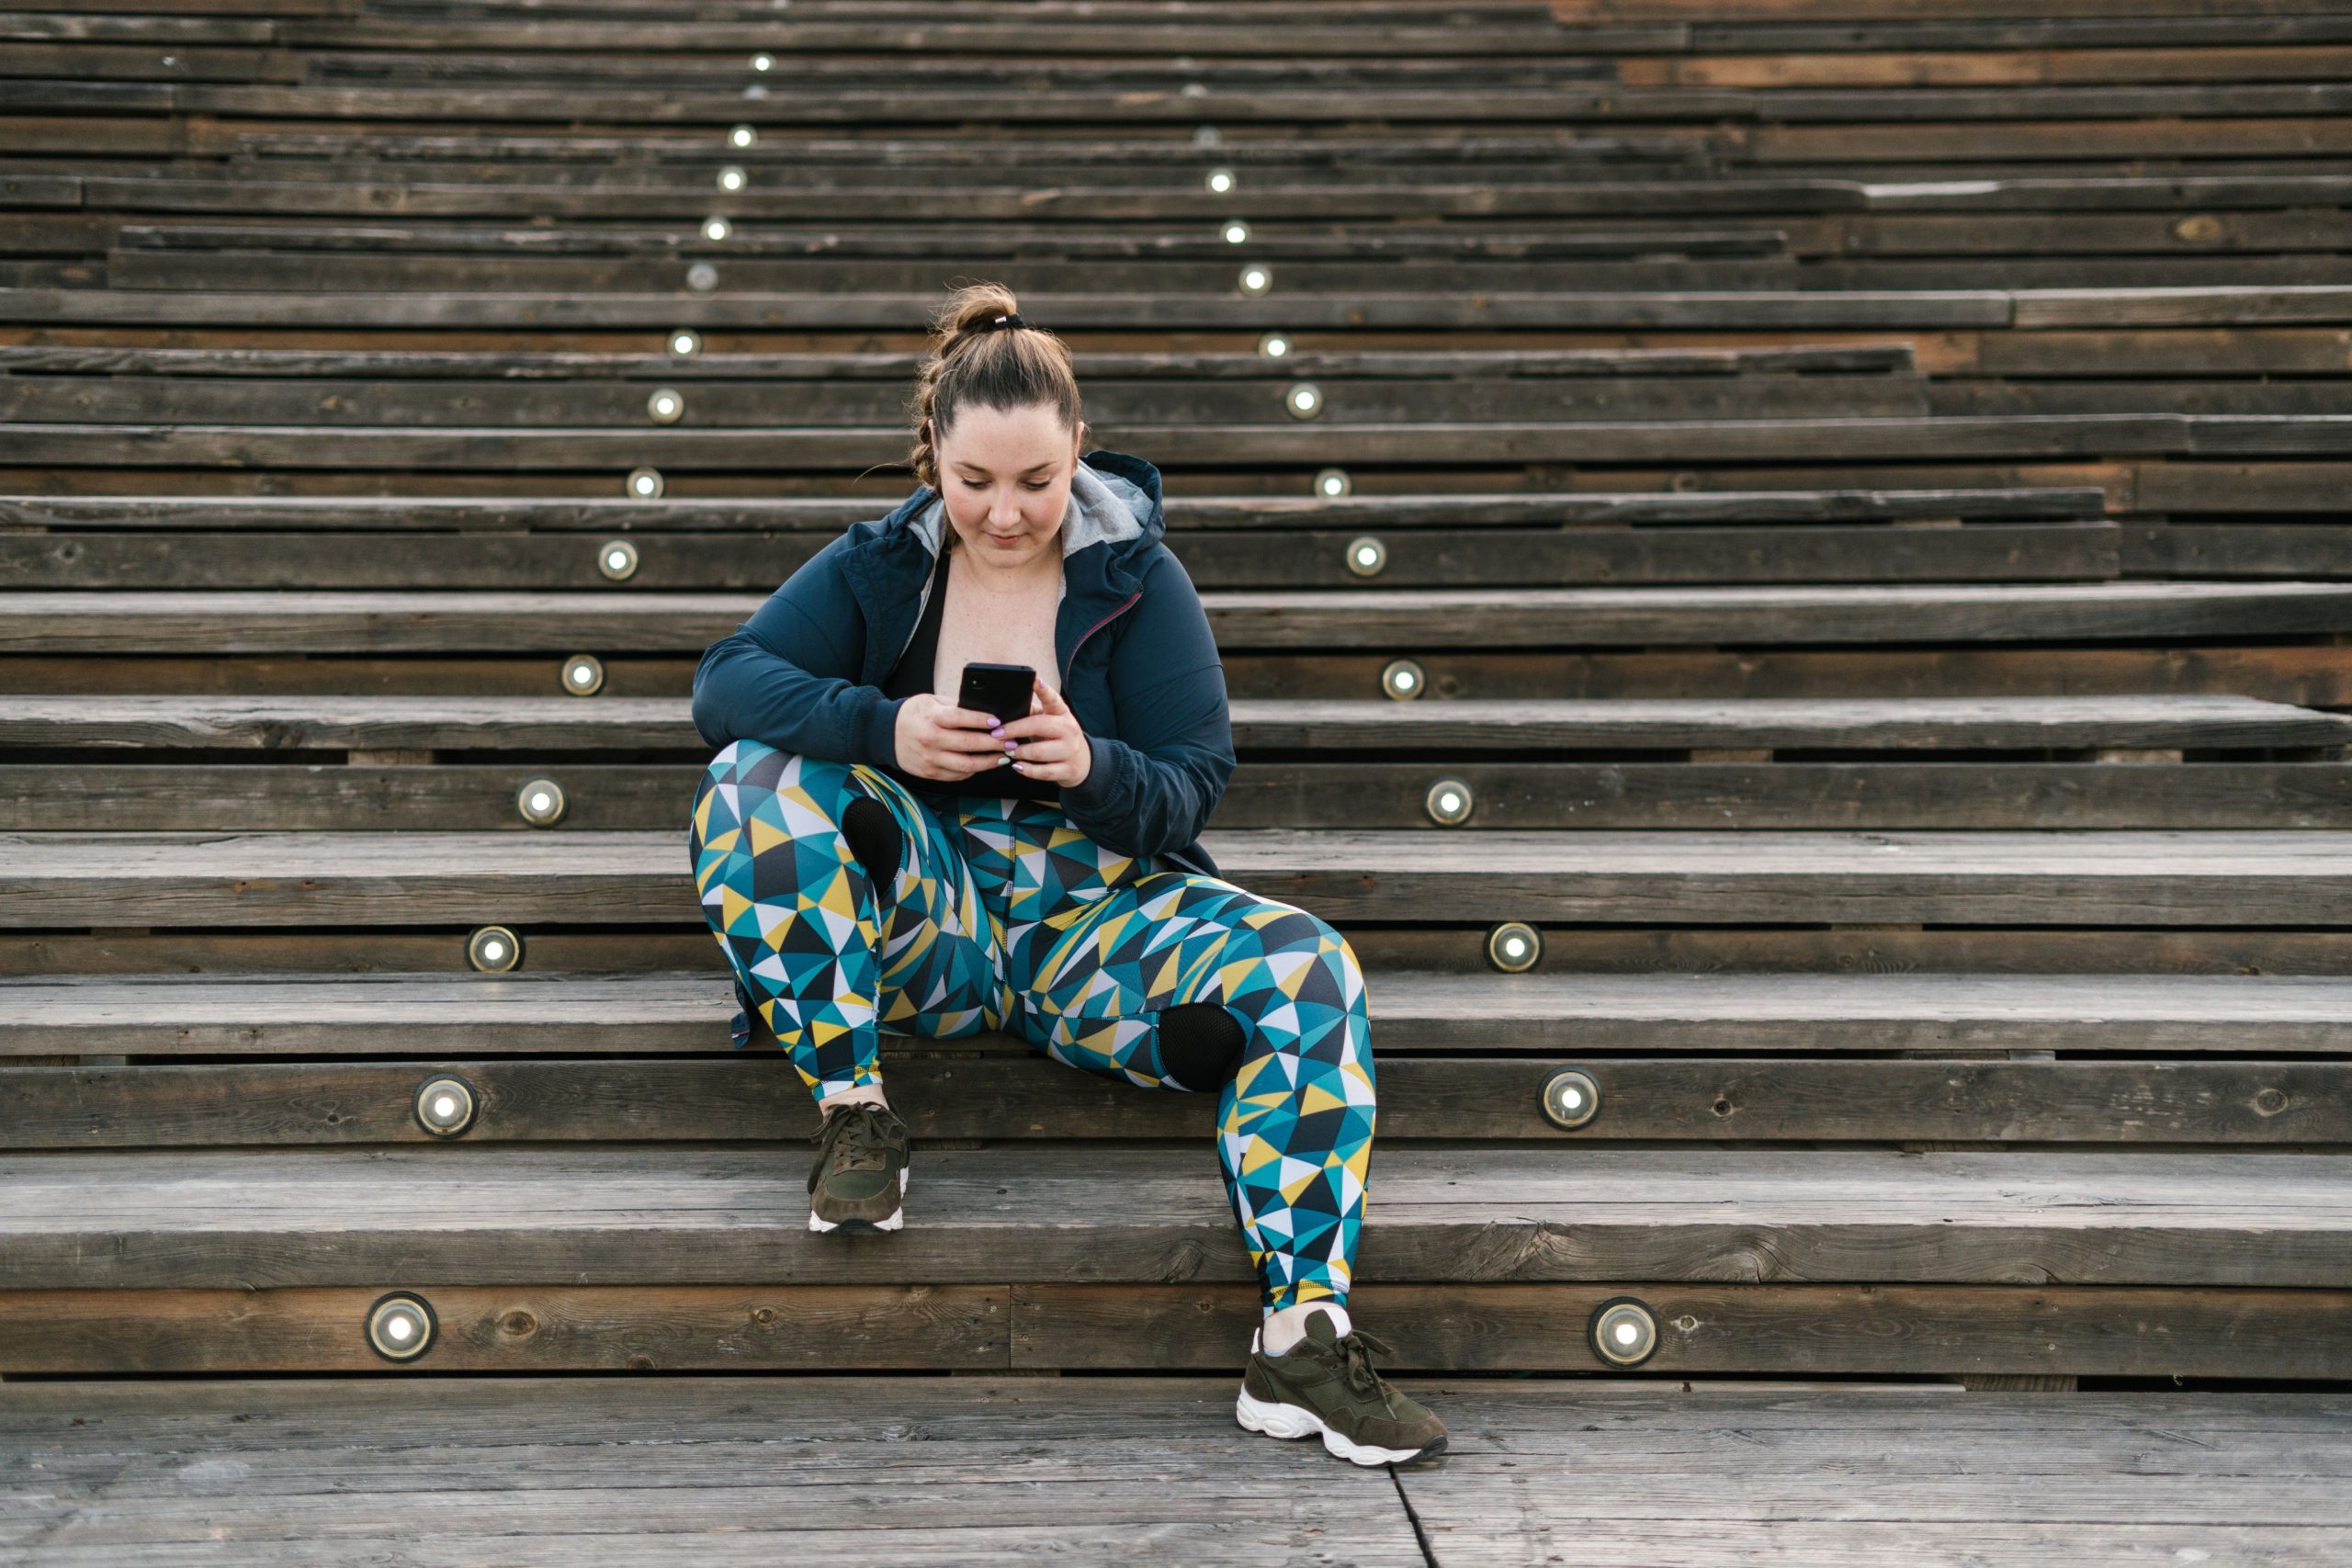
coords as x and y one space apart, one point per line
1005 322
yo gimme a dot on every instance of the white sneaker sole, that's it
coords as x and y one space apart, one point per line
897 1216
1293 1421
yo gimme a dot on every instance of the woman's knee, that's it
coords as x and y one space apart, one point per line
1200 1044
820 784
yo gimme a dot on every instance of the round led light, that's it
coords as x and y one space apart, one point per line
732 177
1624 1332
400 1327
717 227
667 405
1208 136
702 277
1220 180
742 136
1274 345
685 340
584 674
1449 802
541 801
1514 946
1403 679
1366 556
1303 400
1256 278
1571 1099
493 950
764 62
1332 483
644 484
1236 232
445 1106
616 558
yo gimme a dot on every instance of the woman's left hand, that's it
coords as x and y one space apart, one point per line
1052 747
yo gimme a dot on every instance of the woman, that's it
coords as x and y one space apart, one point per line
872 856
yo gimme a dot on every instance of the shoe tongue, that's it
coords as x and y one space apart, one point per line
1321 1330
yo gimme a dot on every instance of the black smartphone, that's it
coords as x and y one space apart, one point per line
1000 689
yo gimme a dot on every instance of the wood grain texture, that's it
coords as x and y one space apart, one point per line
467 879
623 621
688 1214
485 723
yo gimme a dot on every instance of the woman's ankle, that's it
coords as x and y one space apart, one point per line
868 1094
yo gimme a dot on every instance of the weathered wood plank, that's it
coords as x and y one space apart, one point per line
352 403
485 1215
1025 1097
533 724
363 1014
623 621
1877 791
466 879
1981 552
2113 1330
1623 441
826 517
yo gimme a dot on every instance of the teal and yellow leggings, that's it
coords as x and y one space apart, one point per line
848 906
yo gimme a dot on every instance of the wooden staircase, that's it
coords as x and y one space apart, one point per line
1782 572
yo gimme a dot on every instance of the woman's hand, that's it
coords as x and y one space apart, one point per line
1051 745
935 741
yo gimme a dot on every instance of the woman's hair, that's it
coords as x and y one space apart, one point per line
973 364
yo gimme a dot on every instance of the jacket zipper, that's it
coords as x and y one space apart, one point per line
1090 631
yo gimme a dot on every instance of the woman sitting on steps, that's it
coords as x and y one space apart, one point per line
872 856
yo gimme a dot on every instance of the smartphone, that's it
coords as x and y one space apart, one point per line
1000 689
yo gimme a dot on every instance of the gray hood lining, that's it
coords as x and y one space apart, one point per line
1099 511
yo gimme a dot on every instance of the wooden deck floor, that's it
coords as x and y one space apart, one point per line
993 1470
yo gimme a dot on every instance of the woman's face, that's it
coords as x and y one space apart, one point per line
1005 476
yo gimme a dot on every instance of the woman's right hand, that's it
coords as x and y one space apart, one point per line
935 741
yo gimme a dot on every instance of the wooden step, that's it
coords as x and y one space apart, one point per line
1308 558
1857 724
380 1013
233 367
616 1215
2122 879
821 516
355 403
1977 1061
403 789
618 1470
624 621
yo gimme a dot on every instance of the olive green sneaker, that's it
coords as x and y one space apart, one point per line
861 1170
1326 1383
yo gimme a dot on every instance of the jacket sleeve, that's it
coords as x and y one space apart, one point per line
787 676
1152 789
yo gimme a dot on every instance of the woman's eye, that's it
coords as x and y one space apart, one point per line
974 484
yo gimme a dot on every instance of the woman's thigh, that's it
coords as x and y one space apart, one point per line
1102 991
800 913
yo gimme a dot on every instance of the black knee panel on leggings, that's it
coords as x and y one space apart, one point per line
1200 1044
875 838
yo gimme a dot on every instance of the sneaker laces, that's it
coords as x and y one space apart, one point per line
862 1145
1355 1347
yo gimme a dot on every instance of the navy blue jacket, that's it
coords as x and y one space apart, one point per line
1138 666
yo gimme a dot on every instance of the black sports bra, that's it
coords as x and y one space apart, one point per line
912 673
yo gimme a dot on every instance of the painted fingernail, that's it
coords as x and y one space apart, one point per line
997 730
1010 744
1002 761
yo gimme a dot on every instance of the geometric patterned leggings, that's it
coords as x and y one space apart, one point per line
848 906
